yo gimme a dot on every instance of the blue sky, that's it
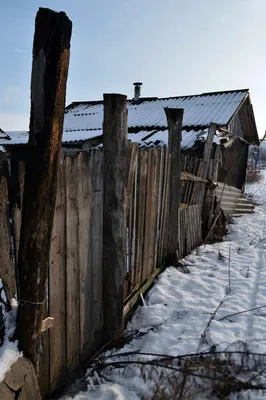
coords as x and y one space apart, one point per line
175 47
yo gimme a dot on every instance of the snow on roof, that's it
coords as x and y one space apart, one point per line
199 111
146 119
145 138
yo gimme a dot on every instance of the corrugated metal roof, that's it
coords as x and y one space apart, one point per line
147 121
199 111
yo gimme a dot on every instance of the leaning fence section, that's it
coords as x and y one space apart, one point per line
74 287
147 212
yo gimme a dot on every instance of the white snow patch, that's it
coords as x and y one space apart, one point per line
9 352
179 307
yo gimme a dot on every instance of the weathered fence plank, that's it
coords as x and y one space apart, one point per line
72 265
115 145
97 244
57 286
141 202
147 244
84 207
174 120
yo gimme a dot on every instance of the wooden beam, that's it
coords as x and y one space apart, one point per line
174 119
51 51
115 147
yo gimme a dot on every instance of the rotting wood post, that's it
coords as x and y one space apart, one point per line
51 51
115 148
174 119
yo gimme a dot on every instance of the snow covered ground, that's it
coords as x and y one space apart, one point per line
9 352
186 313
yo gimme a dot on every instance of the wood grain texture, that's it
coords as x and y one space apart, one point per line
97 243
140 213
115 145
84 204
57 286
72 265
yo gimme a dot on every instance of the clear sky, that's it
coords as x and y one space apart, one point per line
175 47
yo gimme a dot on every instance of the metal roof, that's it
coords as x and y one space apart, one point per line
146 118
148 114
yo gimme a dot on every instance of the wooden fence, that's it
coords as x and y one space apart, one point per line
74 288
147 214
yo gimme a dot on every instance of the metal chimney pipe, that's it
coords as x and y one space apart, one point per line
137 90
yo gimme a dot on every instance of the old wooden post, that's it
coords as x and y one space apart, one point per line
205 195
51 51
115 147
174 119
207 149
206 158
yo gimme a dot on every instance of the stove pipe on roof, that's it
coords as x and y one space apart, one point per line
137 90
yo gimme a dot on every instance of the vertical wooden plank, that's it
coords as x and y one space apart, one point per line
115 145
131 213
161 154
151 212
174 120
97 244
141 207
162 211
134 225
44 357
72 265
164 220
146 267
84 204
57 285
179 234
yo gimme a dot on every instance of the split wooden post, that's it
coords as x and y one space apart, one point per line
115 148
174 120
51 51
